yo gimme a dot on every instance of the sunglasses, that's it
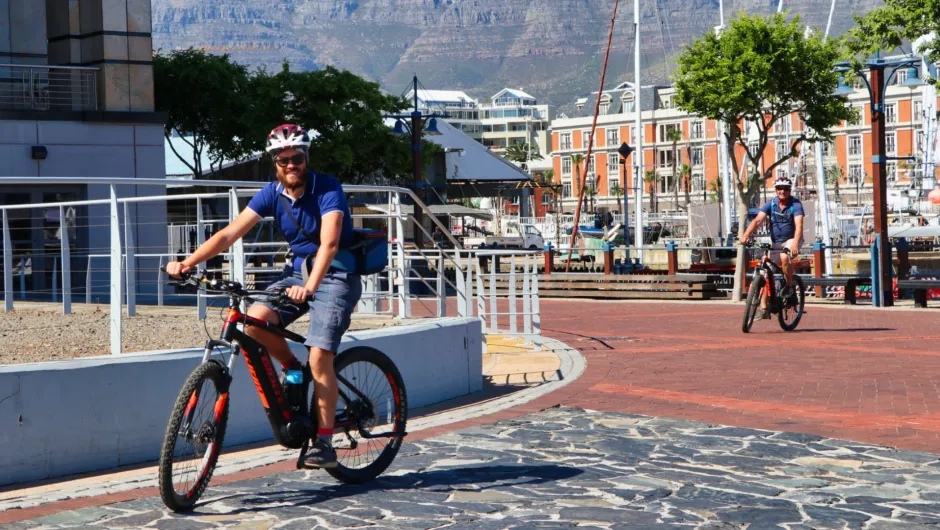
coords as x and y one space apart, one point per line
297 160
783 188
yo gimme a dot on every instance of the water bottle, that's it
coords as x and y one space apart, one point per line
294 388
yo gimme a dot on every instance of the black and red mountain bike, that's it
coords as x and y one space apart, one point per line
370 416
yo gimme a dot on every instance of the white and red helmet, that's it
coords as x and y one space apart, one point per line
287 136
783 181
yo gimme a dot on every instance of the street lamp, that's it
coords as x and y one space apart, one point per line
418 122
877 87
625 150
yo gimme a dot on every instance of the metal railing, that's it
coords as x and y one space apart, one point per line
413 275
41 87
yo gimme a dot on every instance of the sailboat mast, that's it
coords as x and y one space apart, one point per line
822 193
638 127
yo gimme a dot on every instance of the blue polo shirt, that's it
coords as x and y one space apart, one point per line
782 220
323 194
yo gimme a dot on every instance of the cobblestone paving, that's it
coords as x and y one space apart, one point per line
565 468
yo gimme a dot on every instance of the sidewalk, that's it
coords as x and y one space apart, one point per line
514 373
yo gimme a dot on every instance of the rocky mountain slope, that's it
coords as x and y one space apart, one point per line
551 48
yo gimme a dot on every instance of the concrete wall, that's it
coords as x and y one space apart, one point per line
68 417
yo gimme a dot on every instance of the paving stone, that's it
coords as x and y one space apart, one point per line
833 517
797 437
761 516
608 515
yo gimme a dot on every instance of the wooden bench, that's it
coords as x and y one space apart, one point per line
920 288
626 286
850 283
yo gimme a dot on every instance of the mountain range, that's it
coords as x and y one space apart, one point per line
553 49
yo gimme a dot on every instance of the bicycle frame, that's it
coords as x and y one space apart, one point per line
284 424
769 269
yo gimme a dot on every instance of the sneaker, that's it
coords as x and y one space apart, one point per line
763 314
321 455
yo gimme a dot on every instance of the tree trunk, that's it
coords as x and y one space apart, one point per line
740 268
675 179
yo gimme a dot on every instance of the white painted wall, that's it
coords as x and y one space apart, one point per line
65 417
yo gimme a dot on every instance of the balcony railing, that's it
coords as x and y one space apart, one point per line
40 87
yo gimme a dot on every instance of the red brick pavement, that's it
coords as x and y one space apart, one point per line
854 373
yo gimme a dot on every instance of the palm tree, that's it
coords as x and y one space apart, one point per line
834 176
576 161
674 135
618 193
685 173
650 179
521 153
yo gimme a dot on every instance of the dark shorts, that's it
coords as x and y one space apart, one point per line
330 312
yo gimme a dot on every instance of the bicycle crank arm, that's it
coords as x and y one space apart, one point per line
369 436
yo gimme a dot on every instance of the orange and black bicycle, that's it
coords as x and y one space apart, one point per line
789 309
370 417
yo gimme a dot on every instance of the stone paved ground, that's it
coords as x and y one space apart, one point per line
562 468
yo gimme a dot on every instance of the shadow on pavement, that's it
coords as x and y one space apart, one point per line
476 478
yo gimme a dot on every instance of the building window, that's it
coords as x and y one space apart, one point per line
590 167
855 145
783 125
891 143
585 138
857 119
891 168
564 142
698 182
515 200
827 148
614 185
628 103
697 130
918 142
613 164
754 149
665 102
613 137
605 107
918 112
697 157
781 171
855 175
566 189
783 148
566 166
665 158
901 76
664 131
546 197
891 113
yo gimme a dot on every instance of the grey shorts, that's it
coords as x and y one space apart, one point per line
331 310
778 249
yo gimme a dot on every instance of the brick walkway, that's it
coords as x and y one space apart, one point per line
854 373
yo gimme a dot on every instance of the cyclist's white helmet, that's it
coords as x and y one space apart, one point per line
287 136
783 181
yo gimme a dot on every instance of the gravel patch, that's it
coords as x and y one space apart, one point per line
29 335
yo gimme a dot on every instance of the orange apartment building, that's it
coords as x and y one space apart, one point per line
699 147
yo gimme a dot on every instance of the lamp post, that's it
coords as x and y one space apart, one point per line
418 122
877 87
625 151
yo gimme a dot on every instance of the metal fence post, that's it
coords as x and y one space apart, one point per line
401 264
23 275
7 266
238 249
130 261
461 292
494 316
875 274
481 295
88 282
160 282
512 295
200 239
469 285
534 293
115 275
66 263
526 300
441 285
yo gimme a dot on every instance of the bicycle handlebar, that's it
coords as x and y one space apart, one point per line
194 281
763 246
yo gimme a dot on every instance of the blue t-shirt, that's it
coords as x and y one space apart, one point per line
322 194
782 220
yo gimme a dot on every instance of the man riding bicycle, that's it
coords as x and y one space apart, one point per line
786 232
311 212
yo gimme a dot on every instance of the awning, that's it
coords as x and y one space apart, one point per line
452 210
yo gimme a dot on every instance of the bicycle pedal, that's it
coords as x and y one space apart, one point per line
303 453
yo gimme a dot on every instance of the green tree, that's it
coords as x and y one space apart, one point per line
758 71
834 175
890 25
674 135
685 176
520 154
204 96
650 179
715 188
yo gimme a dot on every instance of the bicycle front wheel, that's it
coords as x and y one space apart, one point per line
371 415
791 310
753 302
194 435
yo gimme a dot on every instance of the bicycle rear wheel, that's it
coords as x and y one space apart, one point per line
753 303
194 435
791 311
379 408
